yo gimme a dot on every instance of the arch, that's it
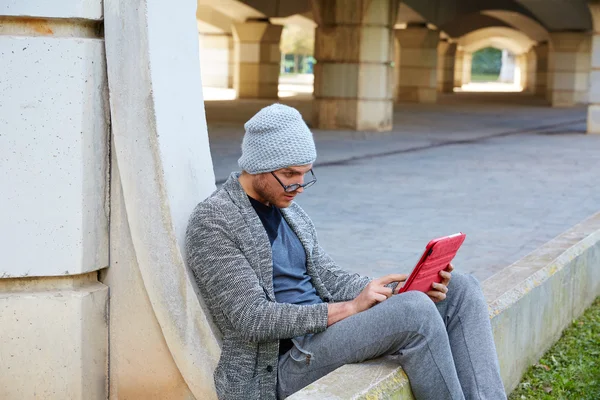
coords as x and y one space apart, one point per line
508 38
440 13
496 42
471 22
523 23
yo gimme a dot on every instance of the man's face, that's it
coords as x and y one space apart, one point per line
271 191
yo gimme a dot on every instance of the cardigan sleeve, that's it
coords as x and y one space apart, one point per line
230 286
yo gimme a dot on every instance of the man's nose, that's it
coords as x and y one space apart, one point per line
300 189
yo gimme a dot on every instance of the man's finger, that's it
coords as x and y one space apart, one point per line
440 287
436 295
386 291
398 287
379 297
446 276
384 280
449 268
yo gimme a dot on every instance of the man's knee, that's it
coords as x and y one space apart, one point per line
416 311
464 283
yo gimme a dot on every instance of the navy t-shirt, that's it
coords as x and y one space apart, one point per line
291 282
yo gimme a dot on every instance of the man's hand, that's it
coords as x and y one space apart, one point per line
376 292
439 290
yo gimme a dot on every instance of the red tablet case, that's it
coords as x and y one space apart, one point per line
437 255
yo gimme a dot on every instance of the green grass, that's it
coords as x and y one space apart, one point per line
571 368
484 77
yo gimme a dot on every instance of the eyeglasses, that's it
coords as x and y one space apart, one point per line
295 186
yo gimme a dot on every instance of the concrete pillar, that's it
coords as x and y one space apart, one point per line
531 64
467 63
569 68
446 62
507 70
216 60
593 117
353 74
458 67
257 57
520 71
541 68
416 64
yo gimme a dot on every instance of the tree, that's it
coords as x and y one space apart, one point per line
298 42
487 61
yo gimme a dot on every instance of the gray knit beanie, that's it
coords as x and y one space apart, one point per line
276 137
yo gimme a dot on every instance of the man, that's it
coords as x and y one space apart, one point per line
289 315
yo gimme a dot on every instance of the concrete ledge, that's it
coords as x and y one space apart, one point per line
530 303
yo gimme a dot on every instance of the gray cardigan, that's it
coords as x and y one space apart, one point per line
230 255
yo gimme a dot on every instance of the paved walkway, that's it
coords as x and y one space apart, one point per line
505 169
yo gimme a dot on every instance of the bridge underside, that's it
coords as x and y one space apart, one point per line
390 52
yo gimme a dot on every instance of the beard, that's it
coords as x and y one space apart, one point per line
261 187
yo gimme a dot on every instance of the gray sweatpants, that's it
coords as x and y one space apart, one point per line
446 349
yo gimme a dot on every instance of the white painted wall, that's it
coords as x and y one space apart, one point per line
53 156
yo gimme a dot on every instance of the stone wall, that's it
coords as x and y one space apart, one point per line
54 171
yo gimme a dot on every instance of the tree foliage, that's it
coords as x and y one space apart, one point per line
296 40
487 61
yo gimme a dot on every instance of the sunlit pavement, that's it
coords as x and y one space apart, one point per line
489 87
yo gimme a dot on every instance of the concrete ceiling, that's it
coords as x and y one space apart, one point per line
212 21
560 15
407 15
528 26
235 10
304 21
551 15
280 8
442 12
456 17
471 22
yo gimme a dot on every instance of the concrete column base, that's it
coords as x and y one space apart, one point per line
257 57
416 59
593 119
521 66
467 65
54 338
593 116
569 68
216 60
360 115
541 69
446 61
416 95
530 83
458 68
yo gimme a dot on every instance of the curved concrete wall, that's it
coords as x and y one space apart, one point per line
161 148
